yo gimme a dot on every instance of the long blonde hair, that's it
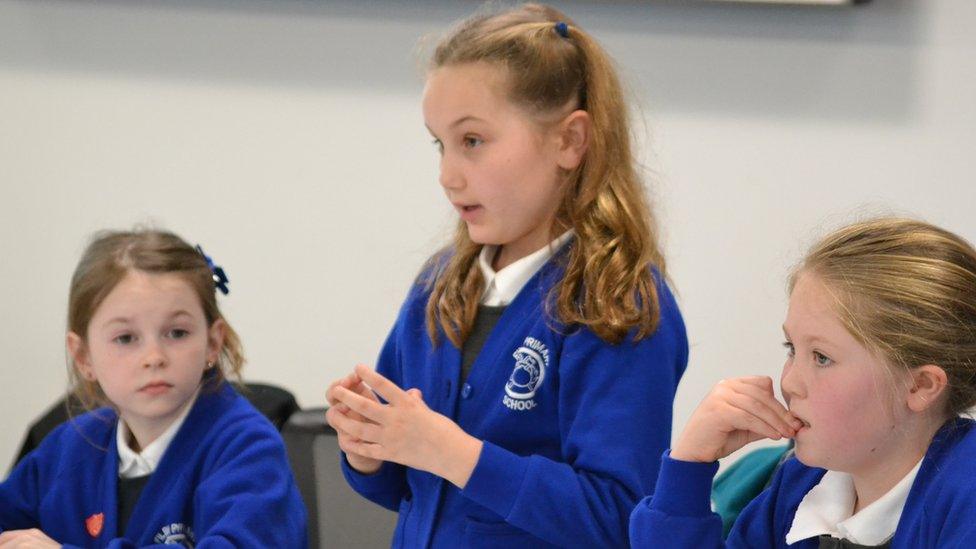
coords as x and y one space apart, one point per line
109 257
608 284
907 291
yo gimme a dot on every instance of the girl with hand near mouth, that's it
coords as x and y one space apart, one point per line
525 392
175 456
881 364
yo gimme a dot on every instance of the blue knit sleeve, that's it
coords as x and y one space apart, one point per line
679 513
615 406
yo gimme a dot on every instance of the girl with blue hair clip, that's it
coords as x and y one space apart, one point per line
173 455
529 378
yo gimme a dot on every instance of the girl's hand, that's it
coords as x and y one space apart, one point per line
736 412
405 430
27 539
354 383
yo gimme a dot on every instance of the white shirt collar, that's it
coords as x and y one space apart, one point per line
132 464
501 287
826 509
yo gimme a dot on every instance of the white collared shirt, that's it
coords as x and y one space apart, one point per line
132 464
501 287
826 509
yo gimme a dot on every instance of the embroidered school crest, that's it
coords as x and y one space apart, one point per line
94 524
531 361
176 534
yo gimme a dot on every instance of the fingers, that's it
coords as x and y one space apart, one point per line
756 427
349 382
359 430
331 416
26 538
386 389
360 448
755 396
415 393
763 382
368 408
736 412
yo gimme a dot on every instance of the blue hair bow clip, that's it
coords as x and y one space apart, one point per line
219 277
562 29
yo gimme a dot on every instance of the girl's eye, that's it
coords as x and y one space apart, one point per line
821 359
440 146
124 339
471 142
789 349
178 333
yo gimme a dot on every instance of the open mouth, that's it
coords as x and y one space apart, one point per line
468 211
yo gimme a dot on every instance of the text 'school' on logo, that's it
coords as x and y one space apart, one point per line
531 361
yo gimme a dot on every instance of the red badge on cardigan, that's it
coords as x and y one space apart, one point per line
94 524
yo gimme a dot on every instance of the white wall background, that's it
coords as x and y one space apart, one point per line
286 137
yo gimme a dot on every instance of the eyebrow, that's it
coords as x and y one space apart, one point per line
814 339
126 320
463 119
116 320
457 122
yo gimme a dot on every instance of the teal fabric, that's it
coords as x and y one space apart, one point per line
743 481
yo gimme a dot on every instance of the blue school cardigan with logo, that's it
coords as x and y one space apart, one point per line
224 481
939 511
573 427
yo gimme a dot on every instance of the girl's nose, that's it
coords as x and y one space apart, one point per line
450 177
790 383
154 357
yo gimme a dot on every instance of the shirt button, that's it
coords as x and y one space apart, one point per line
466 391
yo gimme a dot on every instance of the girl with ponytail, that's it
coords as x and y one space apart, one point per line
525 393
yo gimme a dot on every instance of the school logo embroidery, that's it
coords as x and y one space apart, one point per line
531 361
176 534
94 524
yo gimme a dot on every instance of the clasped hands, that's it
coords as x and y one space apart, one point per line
404 430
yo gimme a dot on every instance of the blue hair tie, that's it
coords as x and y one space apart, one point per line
562 29
219 277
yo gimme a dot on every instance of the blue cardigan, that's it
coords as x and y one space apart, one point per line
939 511
572 426
224 481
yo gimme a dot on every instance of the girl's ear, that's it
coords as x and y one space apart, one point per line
215 340
926 385
79 355
574 138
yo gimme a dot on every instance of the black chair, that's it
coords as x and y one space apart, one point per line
275 403
338 517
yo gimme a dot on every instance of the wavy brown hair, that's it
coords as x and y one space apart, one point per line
109 257
608 284
906 290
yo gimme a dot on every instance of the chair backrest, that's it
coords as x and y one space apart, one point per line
275 403
338 517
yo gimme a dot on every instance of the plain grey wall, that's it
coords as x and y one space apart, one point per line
286 137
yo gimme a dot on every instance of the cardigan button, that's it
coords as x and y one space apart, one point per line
466 391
